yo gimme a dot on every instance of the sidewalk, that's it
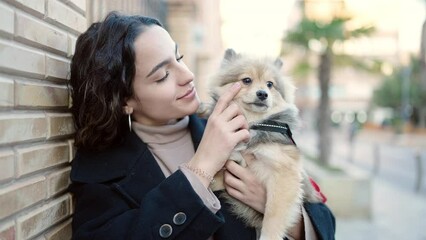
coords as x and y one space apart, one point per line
397 211
396 214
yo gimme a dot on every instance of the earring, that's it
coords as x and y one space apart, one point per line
130 123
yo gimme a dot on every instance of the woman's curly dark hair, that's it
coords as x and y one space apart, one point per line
102 72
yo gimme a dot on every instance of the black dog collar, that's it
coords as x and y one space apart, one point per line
272 126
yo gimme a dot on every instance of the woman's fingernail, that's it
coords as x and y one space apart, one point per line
236 85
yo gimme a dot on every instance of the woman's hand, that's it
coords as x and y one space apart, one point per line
226 127
243 185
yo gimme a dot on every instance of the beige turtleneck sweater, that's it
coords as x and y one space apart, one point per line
172 146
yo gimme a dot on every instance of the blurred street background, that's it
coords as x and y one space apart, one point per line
359 67
396 200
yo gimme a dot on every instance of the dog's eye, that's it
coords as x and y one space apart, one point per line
269 84
246 81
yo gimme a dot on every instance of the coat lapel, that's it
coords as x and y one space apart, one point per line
152 175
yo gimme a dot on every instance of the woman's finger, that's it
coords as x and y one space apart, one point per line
235 169
232 181
231 111
242 135
234 192
250 191
226 98
239 122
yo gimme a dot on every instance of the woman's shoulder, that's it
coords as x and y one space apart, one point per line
109 164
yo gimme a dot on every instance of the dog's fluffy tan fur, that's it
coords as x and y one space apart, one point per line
265 93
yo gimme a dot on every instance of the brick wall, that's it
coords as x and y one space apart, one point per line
37 39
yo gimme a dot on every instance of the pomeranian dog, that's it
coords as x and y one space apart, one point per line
266 99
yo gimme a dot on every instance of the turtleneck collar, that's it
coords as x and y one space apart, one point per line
162 134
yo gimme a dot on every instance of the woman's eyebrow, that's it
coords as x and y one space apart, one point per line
161 64
158 66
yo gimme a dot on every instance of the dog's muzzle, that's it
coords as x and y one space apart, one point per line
262 95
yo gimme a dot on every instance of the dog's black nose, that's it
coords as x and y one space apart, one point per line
262 95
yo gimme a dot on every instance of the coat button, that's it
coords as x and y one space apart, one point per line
179 218
166 230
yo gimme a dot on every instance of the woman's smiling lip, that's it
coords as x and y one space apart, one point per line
189 94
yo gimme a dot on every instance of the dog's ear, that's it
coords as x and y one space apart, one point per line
278 63
230 55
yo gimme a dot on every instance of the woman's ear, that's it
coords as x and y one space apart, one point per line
128 107
127 110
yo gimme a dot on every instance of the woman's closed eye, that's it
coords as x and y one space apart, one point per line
179 58
163 78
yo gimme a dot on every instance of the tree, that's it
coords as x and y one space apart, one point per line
327 35
390 92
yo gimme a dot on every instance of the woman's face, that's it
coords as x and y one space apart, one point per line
163 85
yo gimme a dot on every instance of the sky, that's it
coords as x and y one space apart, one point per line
256 27
253 26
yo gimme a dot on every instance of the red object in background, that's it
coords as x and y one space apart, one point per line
317 188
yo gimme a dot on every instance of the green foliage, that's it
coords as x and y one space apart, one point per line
418 95
389 93
367 65
302 69
360 32
326 33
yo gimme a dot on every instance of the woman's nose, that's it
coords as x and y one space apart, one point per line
185 75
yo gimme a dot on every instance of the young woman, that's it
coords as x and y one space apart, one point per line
144 161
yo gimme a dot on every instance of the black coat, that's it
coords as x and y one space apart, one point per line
121 193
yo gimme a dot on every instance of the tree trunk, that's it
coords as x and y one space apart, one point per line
324 123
